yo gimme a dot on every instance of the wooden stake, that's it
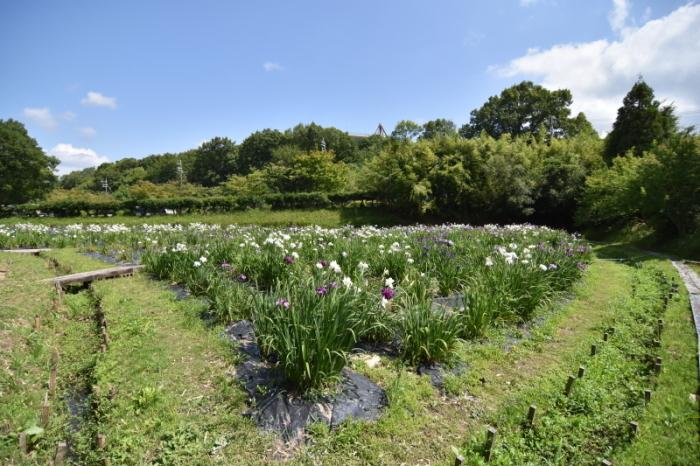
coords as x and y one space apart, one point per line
635 427
61 452
594 349
490 441
103 348
656 343
101 441
581 372
569 385
52 381
605 463
23 443
459 460
605 336
531 411
45 411
661 326
37 323
647 395
54 358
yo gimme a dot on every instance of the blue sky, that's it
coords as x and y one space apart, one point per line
98 80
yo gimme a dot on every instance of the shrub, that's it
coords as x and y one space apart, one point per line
308 328
427 335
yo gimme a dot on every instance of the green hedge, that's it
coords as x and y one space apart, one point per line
76 208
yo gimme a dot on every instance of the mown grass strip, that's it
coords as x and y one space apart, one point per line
668 428
263 217
163 391
25 361
597 419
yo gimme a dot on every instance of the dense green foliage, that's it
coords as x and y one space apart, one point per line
525 108
26 173
485 179
641 121
661 187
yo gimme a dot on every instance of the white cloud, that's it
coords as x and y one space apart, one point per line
271 66
528 2
67 115
87 132
618 16
75 158
95 99
42 117
599 73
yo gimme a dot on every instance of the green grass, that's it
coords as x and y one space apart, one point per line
164 396
25 354
264 217
671 419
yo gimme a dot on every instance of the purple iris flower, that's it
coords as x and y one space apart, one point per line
288 260
282 303
242 278
333 285
322 291
387 292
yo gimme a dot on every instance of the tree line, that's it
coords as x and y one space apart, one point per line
521 157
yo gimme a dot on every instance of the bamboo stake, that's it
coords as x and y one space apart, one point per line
569 385
23 443
581 372
61 452
490 441
531 411
45 411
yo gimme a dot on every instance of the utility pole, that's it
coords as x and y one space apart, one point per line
105 185
180 172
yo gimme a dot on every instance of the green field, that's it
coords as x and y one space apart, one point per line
163 392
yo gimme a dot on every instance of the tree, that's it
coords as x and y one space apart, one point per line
256 150
640 121
214 162
312 137
438 128
26 173
407 130
519 109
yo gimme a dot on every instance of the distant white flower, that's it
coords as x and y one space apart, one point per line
543 267
347 281
385 302
389 282
334 267
319 265
295 255
344 254
197 263
489 262
203 260
553 267
410 260
362 267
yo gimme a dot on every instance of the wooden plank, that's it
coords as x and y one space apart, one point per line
26 251
102 274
